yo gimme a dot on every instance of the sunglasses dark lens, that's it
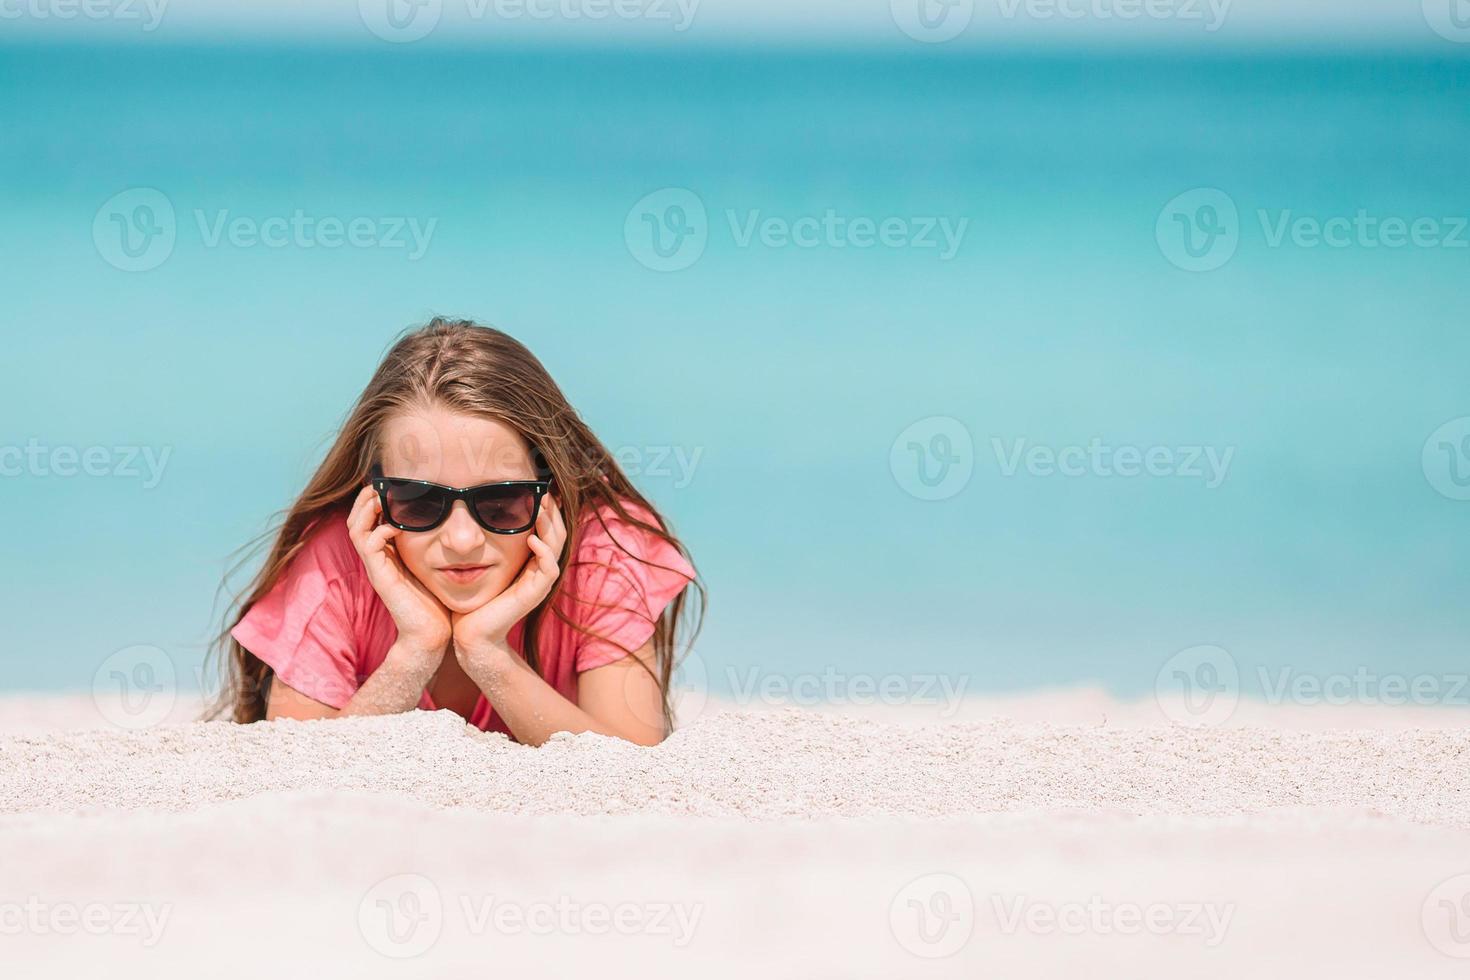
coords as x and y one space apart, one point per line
506 508
415 506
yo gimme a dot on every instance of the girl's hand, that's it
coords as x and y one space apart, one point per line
483 632
423 622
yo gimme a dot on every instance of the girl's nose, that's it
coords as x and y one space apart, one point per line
460 533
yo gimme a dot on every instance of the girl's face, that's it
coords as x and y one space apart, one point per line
460 562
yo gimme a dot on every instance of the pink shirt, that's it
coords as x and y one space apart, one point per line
323 629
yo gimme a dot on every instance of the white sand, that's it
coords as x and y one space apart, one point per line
789 843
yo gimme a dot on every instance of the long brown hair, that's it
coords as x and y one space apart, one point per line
477 370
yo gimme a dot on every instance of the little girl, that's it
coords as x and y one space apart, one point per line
468 544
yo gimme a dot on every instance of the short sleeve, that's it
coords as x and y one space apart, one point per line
618 591
304 627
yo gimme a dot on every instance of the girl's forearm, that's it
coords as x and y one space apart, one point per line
531 708
396 686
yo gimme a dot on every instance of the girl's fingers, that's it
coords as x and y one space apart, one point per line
364 498
534 580
544 555
553 530
378 558
369 538
354 517
546 567
519 591
364 512
380 536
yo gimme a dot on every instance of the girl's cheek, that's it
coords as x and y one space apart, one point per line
498 582
413 550
511 555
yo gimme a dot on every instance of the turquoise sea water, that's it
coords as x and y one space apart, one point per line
784 373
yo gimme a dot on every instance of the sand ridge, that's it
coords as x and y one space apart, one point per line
776 765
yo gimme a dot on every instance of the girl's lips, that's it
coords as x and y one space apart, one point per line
464 575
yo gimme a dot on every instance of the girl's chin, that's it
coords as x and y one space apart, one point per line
460 602
466 600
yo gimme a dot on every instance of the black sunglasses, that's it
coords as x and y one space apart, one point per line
500 508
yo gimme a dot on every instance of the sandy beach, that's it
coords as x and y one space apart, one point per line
793 842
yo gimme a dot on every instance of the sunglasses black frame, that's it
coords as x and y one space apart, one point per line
448 495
